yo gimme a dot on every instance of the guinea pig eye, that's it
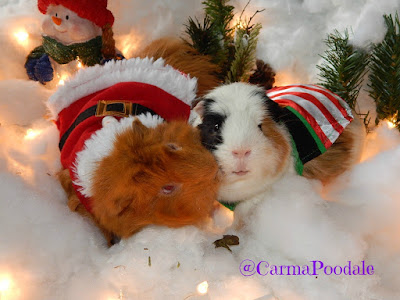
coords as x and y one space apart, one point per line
260 126
168 189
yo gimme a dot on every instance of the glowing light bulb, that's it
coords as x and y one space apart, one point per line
390 124
79 64
62 79
202 288
5 284
21 36
5 287
31 134
241 25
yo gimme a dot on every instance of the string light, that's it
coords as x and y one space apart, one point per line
62 79
390 124
202 288
22 37
79 64
241 24
121 295
31 134
5 286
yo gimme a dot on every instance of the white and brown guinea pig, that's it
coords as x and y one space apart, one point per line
253 138
161 176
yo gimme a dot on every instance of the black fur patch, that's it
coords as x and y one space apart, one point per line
210 128
273 108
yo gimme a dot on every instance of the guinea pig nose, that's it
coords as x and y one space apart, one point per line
241 153
56 20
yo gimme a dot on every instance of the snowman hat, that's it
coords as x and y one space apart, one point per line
93 10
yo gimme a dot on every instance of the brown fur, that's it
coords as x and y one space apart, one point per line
108 49
341 156
281 143
183 57
127 184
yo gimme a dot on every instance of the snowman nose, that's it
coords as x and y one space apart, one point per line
56 20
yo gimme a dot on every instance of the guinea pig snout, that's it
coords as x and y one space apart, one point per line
241 161
240 153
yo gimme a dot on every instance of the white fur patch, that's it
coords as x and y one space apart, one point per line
92 79
100 145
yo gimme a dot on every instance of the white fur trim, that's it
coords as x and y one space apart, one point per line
96 78
100 145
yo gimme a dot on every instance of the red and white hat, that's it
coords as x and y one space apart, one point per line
147 89
93 10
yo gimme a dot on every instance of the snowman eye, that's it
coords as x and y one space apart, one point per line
67 17
56 15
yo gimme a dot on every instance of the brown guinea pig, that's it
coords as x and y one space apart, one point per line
161 176
184 58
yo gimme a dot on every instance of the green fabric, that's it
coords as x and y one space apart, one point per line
298 165
230 205
319 143
89 52
36 53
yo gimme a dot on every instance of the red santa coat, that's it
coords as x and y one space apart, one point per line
118 89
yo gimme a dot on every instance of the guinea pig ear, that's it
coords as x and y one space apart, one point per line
172 147
139 129
274 110
199 108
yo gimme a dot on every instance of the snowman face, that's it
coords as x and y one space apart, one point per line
67 27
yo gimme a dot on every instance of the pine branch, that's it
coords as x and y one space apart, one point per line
203 37
384 85
245 54
344 67
221 14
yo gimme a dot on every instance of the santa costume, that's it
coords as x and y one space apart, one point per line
100 101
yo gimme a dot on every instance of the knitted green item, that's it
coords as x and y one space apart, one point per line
89 52
36 53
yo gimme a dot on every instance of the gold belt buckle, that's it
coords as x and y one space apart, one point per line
102 111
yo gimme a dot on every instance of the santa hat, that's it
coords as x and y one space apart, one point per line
93 10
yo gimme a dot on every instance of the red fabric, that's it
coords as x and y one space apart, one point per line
314 100
333 99
309 118
93 10
165 105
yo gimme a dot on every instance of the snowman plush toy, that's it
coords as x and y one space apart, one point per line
72 31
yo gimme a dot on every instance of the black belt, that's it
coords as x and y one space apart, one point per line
115 108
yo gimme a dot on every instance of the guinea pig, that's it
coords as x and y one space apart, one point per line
256 141
185 58
126 174
161 176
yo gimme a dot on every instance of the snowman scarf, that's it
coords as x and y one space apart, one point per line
89 53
